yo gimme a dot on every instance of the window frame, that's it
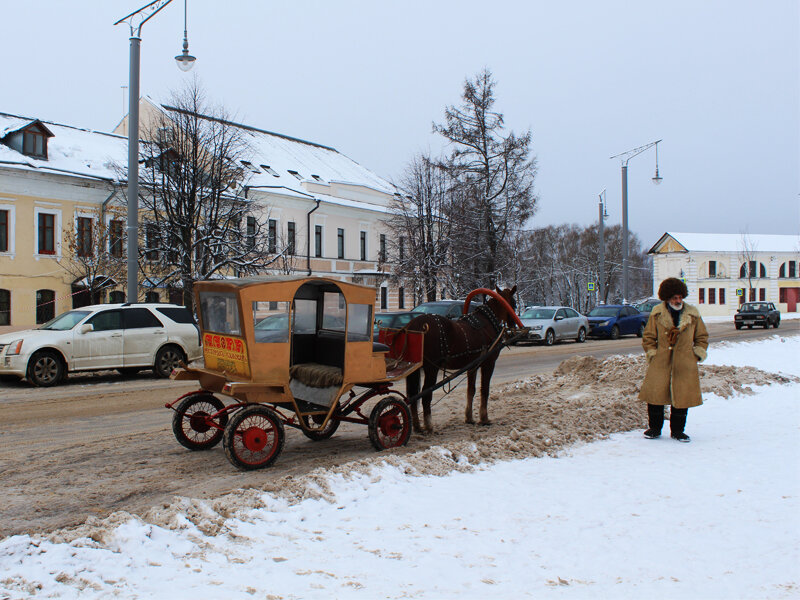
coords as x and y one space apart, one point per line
340 243
5 301
30 134
291 238
84 236
56 214
116 237
318 241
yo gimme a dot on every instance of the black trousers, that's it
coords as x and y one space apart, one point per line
677 418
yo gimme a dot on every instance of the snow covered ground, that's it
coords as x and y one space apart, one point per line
621 518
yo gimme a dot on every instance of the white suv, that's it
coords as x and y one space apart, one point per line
126 337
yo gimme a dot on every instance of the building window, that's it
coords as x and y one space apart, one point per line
251 232
295 174
272 236
401 298
701 295
722 295
788 269
382 252
762 294
34 144
151 297
712 268
5 307
47 234
712 295
384 298
45 306
363 245
3 231
115 238
401 248
752 269
151 242
291 237
84 236
318 240
116 297
340 243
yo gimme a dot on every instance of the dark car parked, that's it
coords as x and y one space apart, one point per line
614 320
392 320
452 309
647 305
757 313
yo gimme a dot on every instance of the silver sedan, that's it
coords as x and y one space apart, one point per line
550 324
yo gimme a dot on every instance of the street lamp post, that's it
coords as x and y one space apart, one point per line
135 21
625 157
602 247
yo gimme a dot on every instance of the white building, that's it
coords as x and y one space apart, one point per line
723 270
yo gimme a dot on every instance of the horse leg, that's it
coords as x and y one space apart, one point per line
471 376
486 376
430 381
412 389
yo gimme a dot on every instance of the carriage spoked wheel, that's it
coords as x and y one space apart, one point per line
390 423
314 421
253 438
191 421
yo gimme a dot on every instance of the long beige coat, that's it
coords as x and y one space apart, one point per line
672 376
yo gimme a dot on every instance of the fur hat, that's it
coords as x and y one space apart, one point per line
670 287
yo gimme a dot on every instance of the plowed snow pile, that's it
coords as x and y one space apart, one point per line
584 400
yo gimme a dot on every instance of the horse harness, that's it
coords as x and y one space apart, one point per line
472 321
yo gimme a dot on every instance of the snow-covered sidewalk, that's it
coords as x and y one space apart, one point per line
621 518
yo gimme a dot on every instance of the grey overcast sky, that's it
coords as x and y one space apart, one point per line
716 80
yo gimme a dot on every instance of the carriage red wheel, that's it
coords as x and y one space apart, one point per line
192 423
253 438
390 423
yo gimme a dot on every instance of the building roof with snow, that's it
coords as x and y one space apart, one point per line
70 150
724 242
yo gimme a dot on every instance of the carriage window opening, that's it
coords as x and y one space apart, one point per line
334 311
271 322
220 312
359 322
304 319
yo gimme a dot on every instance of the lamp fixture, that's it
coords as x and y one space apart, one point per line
184 59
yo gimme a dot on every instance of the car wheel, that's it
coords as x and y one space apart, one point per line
777 324
549 338
615 332
749 326
640 333
581 335
738 325
45 368
167 359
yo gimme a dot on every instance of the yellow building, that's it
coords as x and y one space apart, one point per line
58 182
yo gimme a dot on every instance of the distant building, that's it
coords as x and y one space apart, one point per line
724 270
56 179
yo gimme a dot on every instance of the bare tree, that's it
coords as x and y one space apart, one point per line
197 222
493 174
421 218
748 257
95 259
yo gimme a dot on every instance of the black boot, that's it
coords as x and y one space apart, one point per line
677 422
655 419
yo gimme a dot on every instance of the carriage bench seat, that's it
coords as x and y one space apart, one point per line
316 375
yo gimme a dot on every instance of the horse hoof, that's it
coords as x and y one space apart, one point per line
469 421
485 423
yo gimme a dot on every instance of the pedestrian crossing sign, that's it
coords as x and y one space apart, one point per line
740 291
590 286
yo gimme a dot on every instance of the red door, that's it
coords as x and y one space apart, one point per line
792 298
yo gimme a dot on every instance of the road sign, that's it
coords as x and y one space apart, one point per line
590 286
740 291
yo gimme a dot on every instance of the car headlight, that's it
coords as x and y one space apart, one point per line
14 348
536 327
603 324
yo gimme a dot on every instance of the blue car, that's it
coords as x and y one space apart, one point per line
614 320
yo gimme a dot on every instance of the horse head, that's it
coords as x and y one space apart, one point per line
501 309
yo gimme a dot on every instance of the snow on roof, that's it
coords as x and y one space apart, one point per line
71 150
292 160
732 242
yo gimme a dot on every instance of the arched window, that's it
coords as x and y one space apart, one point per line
5 307
712 269
117 297
752 268
45 306
151 297
788 270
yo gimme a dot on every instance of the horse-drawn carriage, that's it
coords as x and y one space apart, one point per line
296 352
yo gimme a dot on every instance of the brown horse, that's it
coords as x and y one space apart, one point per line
452 345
